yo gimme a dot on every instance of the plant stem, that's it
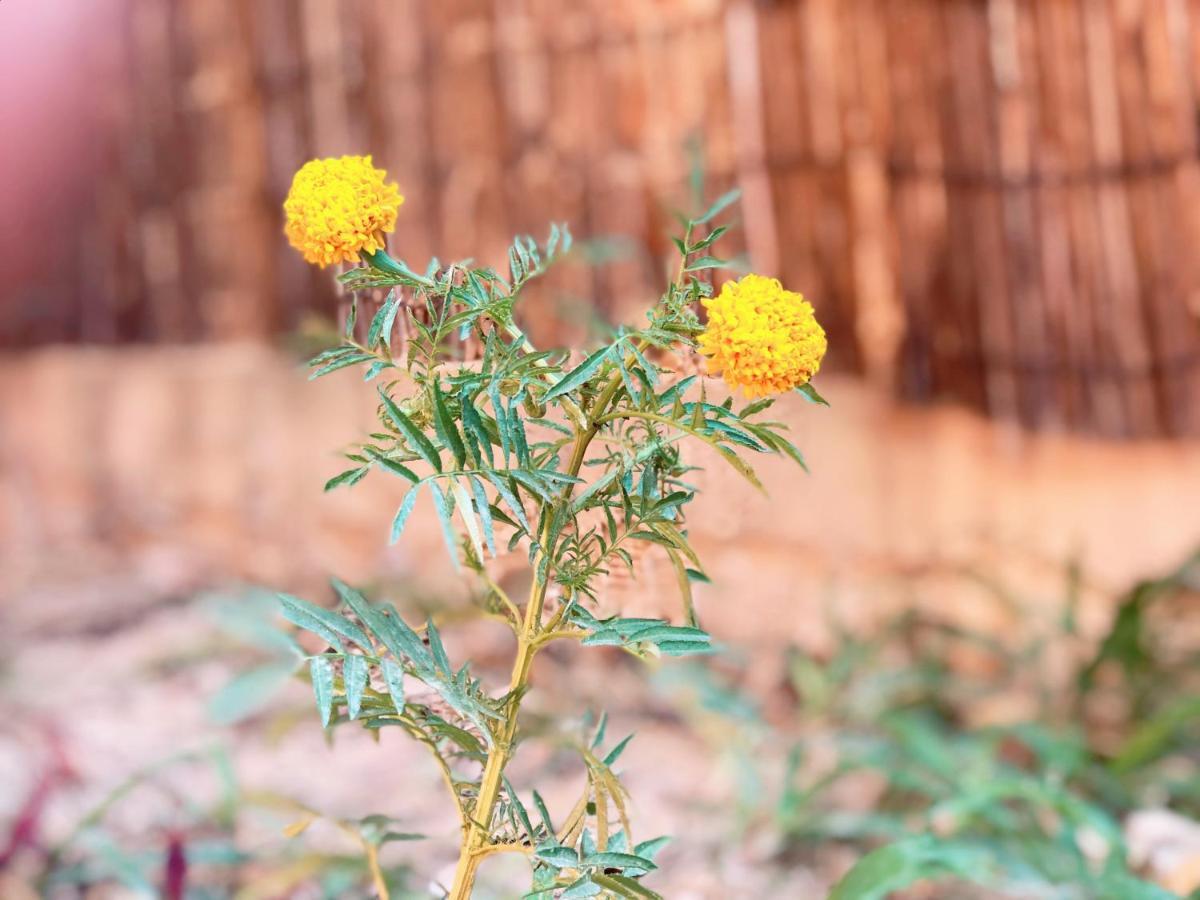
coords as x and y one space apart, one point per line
477 831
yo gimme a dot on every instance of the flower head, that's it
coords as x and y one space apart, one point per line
762 338
339 208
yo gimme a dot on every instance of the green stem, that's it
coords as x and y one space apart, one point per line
477 832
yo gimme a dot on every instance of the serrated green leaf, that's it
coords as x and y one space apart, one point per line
417 440
485 513
624 886
399 638
711 238
443 512
465 511
341 363
398 468
473 424
584 887
519 809
810 393
610 860
437 648
509 498
250 691
323 622
383 320
557 855
348 478
578 375
615 753
354 679
321 672
393 675
447 431
543 812
718 205
501 420
650 849
402 514
601 727
517 433
707 262
684 648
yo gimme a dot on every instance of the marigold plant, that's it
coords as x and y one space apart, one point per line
567 462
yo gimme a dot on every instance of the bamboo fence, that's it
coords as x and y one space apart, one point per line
989 201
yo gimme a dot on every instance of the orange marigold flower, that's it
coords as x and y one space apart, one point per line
339 208
762 338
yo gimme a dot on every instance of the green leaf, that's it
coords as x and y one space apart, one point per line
387 625
624 886
446 429
584 887
349 477
443 511
485 513
341 363
718 205
465 510
896 866
711 238
810 393
620 861
393 674
321 672
557 855
706 262
578 375
615 753
437 648
402 514
501 423
384 318
250 691
375 368
415 437
322 622
384 263
509 498
519 809
473 424
683 648
397 468
543 812
601 727
354 679
517 433
650 849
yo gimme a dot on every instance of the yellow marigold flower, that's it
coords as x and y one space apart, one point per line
339 208
762 338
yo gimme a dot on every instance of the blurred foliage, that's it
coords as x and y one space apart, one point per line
885 761
192 842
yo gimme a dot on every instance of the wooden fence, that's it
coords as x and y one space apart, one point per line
993 201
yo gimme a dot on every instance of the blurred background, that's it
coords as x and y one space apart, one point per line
994 206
